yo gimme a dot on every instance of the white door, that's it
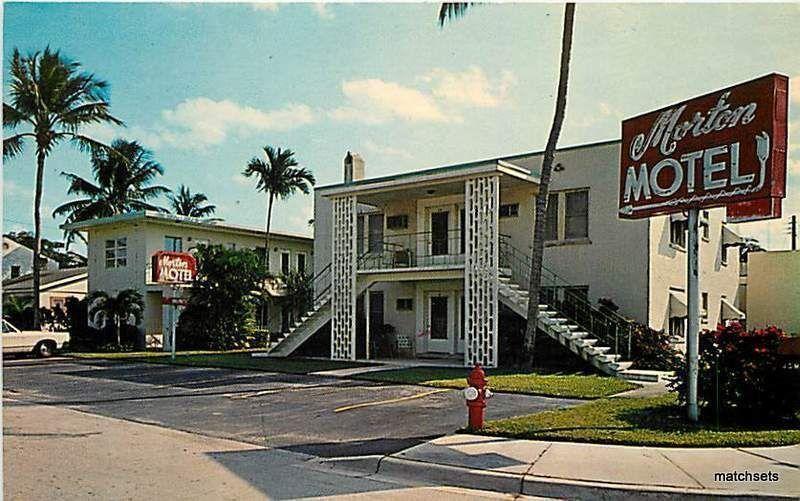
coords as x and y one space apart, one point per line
440 323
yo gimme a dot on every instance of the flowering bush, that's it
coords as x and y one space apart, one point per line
652 349
742 376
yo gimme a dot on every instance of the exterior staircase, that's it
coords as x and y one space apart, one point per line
312 320
599 337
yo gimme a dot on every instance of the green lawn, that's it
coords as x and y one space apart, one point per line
654 421
228 360
576 385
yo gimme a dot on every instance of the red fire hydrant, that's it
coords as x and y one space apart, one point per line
476 394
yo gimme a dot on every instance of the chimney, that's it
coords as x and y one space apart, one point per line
353 167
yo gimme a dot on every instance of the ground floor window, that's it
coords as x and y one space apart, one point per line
677 327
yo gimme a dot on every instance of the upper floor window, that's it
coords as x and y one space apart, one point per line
173 244
704 225
509 210
568 215
704 305
285 263
301 263
16 270
677 232
117 252
399 222
576 214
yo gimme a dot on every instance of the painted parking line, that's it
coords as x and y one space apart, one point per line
288 389
389 401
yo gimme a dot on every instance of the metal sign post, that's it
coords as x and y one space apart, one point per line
174 322
693 310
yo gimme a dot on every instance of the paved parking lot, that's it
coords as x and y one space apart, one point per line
321 416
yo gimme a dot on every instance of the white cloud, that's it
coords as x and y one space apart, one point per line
268 6
389 151
322 10
201 121
375 101
471 87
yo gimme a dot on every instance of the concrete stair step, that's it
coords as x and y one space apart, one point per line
620 366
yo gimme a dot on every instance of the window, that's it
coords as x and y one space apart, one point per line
677 327
117 252
399 222
16 270
405 304
301 263
509 210
704 305
677 232
230 246
704 225
173 244
375 224
551 225
723 253
576 214
285 263
360 235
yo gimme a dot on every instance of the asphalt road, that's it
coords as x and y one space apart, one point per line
320 416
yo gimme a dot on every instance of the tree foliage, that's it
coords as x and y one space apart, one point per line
50 101
186 203
124 309
122 183
221 308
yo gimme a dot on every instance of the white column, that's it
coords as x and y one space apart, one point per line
481 205
343 279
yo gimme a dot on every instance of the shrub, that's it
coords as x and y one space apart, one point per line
741 375
221 309
652 349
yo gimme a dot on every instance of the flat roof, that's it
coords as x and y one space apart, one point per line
176 220
458 169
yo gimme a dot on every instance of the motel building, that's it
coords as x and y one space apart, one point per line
120 251
441 257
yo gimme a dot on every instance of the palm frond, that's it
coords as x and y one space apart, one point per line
450 11
12 146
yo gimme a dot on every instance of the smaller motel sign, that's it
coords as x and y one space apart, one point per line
726 148
174 267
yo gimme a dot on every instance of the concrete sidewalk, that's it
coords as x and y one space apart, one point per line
591 471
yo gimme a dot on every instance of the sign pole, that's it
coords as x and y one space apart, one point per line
174 321
693 313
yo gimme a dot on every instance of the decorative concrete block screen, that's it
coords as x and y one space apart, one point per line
480 274
343 281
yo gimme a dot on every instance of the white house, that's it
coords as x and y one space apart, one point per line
442 254
18 260
120 249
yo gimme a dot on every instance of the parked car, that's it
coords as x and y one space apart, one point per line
40 343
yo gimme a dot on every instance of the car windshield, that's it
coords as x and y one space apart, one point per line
8 328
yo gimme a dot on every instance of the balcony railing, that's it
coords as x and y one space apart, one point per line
414 250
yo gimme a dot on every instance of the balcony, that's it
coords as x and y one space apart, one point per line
439 249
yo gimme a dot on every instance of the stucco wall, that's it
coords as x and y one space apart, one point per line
773 290
668 270
146 238
612 262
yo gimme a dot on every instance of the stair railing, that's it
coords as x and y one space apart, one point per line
611 329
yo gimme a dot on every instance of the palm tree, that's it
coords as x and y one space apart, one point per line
278 177
186 203
117 309
54 100
122 184
449 11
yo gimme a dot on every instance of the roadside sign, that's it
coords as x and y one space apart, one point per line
174 267
175 301
723 148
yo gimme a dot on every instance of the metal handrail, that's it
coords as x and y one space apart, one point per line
606 325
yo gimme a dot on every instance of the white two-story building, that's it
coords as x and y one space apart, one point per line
442 254
120 250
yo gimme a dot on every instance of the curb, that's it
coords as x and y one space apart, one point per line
531 485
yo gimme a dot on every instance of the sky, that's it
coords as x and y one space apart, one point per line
206 86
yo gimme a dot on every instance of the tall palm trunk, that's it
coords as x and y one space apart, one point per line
266 239
37 237
544 188
266 263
